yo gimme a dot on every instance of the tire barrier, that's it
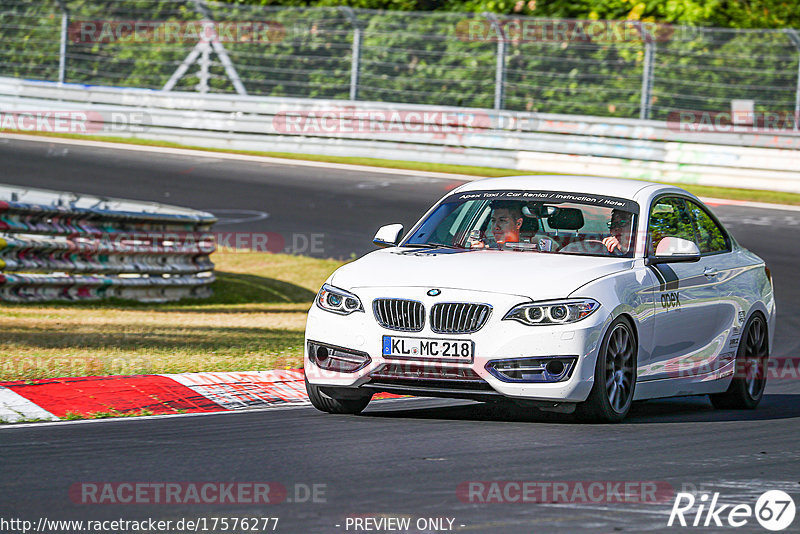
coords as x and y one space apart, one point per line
63 246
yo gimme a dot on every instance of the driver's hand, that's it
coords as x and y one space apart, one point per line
611 243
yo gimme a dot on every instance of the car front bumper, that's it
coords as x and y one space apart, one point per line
496 340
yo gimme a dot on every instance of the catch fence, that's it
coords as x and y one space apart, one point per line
603 68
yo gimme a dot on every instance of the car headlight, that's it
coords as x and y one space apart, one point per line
337 300
557 312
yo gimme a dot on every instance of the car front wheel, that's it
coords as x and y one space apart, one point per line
614 377
328 399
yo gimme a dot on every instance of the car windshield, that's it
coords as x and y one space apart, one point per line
531 221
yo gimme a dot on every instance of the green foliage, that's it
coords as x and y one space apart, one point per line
432 57
720 13
756 14
422 60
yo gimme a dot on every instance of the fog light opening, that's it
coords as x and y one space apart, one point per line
554 367
542 369
339 359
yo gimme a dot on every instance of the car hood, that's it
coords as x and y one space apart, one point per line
535 275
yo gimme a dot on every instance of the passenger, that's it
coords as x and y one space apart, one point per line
619 227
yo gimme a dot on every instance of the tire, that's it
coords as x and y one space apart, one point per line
324 399
614 377
749 380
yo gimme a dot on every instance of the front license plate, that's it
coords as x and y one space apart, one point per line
414 348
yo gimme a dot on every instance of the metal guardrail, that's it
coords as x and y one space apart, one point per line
63 246
632 148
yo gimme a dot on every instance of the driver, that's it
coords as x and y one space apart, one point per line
619 227
506 220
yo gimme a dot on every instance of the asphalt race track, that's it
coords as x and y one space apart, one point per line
406 457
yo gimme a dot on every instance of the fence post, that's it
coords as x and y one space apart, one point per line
797 94
500 66
647 79
355 55
796 40
62 50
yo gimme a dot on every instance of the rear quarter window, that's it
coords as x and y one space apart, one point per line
711 238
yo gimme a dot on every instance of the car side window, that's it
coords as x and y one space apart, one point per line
669 218
711 238
445 221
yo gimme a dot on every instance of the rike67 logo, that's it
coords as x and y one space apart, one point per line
774 510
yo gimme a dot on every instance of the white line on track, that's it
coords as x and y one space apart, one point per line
288 406
150 417
748 204
248 216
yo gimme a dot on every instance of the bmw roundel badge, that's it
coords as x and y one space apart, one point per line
434 292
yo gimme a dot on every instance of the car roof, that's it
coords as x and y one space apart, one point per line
594 185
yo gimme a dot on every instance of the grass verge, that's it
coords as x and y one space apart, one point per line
775 197
75 416
254 321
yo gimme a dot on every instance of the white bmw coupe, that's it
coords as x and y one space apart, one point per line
567 293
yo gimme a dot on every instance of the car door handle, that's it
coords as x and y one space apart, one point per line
710 272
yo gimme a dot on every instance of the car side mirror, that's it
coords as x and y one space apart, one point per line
389 235
674 250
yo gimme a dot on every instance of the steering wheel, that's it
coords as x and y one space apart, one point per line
589 246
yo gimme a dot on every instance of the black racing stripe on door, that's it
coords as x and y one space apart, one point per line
671 281
662 283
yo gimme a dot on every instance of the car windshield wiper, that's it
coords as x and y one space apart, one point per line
434 245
